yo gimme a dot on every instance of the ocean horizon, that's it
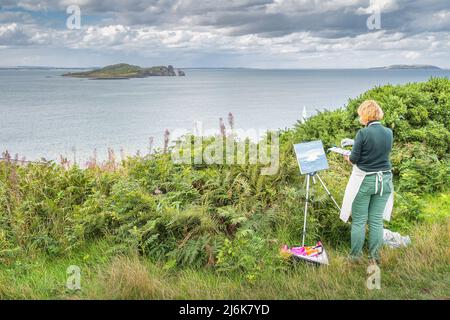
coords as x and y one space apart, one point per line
45 115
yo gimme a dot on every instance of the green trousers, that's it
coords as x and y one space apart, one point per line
368 207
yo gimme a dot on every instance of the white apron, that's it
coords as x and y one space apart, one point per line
352 189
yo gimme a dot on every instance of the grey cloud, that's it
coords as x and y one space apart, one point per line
13 34
268 18
17 17
334 18
244 27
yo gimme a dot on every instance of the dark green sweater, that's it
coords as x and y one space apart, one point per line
372 147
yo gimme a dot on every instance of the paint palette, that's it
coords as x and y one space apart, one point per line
314 254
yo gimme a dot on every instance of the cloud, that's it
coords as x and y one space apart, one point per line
382 6
411 55
31 5
16 17
13 34
270 18
289 29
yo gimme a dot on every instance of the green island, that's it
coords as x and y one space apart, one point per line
126 71
149 228
409 67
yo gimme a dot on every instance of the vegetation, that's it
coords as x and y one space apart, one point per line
152 228
125 71
409 66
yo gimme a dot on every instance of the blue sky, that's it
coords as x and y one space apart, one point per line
231 33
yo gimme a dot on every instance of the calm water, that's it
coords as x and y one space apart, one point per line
44 115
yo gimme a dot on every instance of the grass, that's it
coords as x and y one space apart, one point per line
436 207
420 271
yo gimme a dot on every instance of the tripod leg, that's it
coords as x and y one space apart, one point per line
328 192
306 209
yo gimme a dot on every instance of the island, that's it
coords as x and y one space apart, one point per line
408 66
126 71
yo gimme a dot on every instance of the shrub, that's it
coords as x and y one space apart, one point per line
248 254
230 217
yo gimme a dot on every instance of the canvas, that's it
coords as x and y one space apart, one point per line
311 156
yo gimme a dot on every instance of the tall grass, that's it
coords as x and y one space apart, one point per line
416 272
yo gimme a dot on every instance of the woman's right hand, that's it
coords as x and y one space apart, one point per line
348 159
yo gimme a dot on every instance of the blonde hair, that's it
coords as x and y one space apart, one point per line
370 110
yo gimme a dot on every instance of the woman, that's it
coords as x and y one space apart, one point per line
369 193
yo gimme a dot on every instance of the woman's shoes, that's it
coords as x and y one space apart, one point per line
358 261
375 262
354 261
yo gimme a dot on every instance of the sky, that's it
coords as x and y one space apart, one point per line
225 33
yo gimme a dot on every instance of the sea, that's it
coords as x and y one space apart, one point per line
45 115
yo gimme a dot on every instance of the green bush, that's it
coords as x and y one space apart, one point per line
248 254
229 217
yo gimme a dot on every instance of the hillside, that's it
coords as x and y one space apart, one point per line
148 227
126 71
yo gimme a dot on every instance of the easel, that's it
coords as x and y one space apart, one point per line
308 176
